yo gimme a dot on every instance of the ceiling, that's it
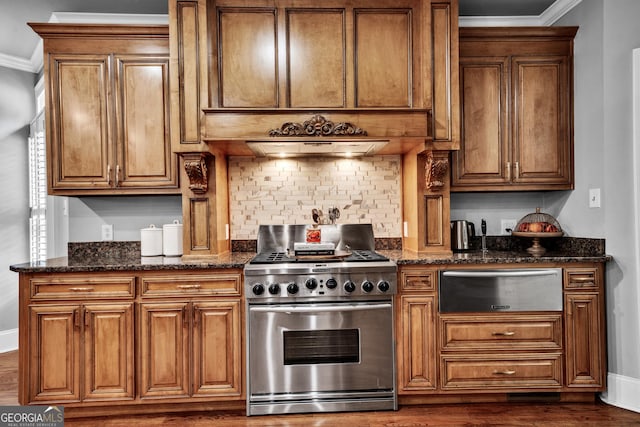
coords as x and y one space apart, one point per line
19 45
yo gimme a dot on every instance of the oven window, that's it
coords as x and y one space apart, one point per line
325 346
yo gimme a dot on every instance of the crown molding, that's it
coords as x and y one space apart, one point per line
16 63
34 64
547 18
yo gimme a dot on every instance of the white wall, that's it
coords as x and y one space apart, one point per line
127 214
17 109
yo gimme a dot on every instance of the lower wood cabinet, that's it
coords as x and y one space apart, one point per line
190 348
81 352
161 337
461 356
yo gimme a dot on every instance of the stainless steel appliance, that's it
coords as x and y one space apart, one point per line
500 290
320 335
461 233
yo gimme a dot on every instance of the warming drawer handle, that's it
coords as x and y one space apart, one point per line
508 372
81 289
503 334
495 273
188 287
332 308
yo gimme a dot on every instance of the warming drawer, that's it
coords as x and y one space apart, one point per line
463 291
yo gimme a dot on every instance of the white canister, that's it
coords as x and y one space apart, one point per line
151 241
172 241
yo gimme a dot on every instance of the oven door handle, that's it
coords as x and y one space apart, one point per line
316 309
500 273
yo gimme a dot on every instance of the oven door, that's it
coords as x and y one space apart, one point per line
303 350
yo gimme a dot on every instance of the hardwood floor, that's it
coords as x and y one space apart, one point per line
490 414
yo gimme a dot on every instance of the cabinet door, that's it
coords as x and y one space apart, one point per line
483 158
54 349
541 120
417 344
217 362
585 363
79 135
108 351
142 123
164 350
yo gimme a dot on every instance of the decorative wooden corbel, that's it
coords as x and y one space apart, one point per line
436 168
195 164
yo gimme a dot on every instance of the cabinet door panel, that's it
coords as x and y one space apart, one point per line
247 49
417 361
383 58
54 353
216 347
108 351
142 111
484 150
541 131
164 349
79 129
585 352
315 57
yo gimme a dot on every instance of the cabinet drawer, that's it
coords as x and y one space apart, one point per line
498 332
418 280
204 284
581 278
82 287
501 371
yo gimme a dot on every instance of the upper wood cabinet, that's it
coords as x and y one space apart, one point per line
245 68
516 91
107 100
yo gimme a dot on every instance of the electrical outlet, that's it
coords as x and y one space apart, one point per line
107 232
507 224
594 197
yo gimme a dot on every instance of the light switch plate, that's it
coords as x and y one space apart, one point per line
594 197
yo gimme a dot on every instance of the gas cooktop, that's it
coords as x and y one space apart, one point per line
286 258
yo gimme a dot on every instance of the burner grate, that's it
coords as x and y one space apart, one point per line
276 256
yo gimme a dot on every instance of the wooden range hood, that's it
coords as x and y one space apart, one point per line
380 74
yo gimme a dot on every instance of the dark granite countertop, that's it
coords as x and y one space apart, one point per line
125 256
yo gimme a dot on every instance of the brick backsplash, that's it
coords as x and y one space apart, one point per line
284 191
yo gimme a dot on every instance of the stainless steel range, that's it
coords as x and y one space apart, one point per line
320 335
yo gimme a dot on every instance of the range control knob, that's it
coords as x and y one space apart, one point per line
292 288
332 283
311 283
383 285
258 289
367 286
274 289
349 286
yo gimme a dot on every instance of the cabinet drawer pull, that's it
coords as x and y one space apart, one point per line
508 372
582 280
108 174
196 286
118 175
508 170
503 334
517 173
83 289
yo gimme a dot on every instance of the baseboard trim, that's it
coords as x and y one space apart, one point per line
622 392
8 340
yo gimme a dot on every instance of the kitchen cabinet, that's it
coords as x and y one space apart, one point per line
516 99
81 343
107 100
585 329
472 356
388 67
416 308
190 347
89 340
